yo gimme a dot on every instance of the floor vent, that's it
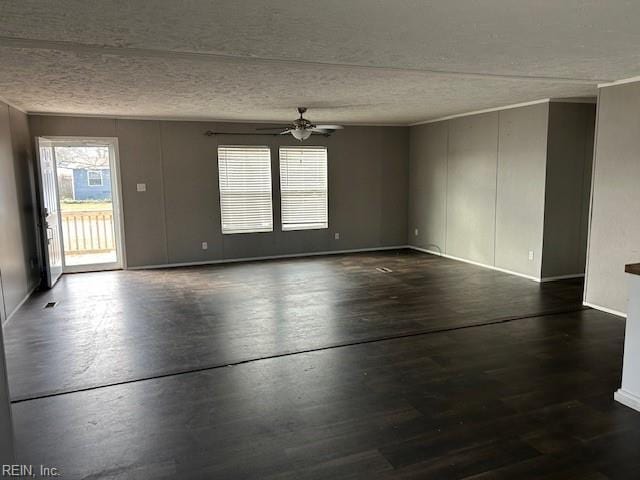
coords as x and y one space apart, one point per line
50 304
384 269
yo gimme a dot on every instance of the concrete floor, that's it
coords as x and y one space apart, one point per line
75 259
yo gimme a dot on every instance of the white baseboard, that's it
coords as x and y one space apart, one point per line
628 399
269 257
605 309
561 277
22 302
426 250
491 267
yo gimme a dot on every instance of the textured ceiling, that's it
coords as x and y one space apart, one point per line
360 61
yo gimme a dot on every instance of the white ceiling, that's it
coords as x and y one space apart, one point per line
352 61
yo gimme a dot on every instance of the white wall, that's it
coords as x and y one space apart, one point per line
614 234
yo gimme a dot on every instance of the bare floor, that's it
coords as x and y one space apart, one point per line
111 327
320 368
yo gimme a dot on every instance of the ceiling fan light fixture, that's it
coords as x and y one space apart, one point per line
301 133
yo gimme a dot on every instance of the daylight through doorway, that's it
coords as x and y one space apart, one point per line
88 215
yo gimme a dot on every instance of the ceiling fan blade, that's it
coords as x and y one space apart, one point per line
330 127
321 130
280 127
286 131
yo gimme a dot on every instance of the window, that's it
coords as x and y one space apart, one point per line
303 186
94 178
245 189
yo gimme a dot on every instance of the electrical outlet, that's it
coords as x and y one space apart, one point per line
141 187
336 236
530 255
205 245
416 232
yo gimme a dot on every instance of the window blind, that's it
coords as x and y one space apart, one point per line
303 188
245 189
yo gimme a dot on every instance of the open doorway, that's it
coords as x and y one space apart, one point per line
85 194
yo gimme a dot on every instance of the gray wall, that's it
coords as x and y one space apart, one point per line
18 250
477 187
521 187
428 185
614 236
368 174
471 187
19 272
569 161
6 427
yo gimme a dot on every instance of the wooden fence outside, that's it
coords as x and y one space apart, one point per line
91 231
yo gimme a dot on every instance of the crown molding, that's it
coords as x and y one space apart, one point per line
285 122
623 81
478 112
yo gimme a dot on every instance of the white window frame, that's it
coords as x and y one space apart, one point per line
316 225
99 172
223 191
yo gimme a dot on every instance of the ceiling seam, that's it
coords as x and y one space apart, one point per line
78 47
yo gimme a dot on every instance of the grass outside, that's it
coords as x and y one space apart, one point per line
84 206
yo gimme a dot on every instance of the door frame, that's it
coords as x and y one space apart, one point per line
116 194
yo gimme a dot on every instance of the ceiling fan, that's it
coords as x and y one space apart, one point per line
302 128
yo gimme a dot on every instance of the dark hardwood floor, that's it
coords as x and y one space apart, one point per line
437 370
121 326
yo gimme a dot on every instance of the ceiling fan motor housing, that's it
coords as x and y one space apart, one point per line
302 123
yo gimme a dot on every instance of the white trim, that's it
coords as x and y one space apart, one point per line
486 110
22 302
424 250
619 82
116 188
561 277
116 197
268 257
491 267
590 100
605 309
594 157
628 399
